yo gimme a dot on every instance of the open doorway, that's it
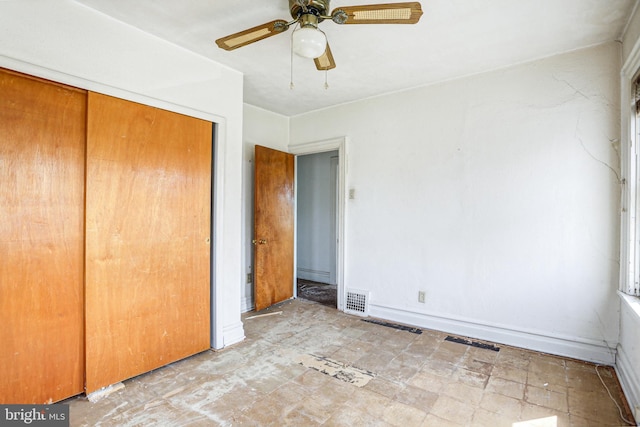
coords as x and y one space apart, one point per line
335 144
340 145
316 231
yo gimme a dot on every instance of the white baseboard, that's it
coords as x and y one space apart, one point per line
629 380
591 351
233 334
314 275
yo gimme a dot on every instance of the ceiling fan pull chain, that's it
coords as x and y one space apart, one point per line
326 79
291 85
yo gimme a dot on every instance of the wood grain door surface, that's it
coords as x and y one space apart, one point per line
273 226
147 239
42 149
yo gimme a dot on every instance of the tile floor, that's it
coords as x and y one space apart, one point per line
418 380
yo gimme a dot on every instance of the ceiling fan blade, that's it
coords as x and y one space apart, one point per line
325 61
388 13
252 35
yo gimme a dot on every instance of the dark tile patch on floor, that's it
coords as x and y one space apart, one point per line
322 293
394 325
472 343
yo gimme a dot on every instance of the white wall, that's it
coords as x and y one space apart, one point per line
69 43
496 194
271 130
631 34
316 209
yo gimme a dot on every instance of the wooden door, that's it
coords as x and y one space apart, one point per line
273 226
147 239
42 140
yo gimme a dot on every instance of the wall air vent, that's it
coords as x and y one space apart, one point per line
357 302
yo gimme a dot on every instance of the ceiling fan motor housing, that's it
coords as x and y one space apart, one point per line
318 8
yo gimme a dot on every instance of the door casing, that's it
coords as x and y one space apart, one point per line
340 144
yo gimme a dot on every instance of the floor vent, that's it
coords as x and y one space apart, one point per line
472 343
357 302
417 331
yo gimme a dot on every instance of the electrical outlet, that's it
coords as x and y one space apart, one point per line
249 278
421 296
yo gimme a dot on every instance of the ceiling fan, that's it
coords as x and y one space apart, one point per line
309 41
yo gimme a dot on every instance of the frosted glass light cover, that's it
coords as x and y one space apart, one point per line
309 42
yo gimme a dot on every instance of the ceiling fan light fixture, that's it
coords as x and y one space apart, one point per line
309 42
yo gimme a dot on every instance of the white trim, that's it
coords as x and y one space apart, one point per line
628 374
217 333
339 144
217 268
629 221
628 379
314 275
632 302
583 349
233 334
295 227
246 304
82 83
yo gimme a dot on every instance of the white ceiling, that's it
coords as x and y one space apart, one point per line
454 38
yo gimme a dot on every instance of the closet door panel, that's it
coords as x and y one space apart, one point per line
42 149
147 238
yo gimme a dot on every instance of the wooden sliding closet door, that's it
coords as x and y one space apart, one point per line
147 238
42 140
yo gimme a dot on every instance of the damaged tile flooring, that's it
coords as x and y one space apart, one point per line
375 376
